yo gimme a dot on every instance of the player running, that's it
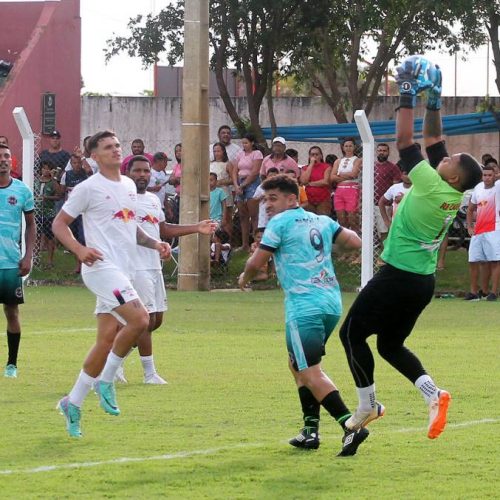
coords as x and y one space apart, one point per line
300 243
394 298
108 203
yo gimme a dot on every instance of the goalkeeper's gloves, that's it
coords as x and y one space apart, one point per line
434 93
412 79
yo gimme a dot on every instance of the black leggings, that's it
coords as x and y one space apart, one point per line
388 306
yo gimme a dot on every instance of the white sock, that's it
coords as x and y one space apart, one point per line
112 364
427 387
148 365
366 397
81 388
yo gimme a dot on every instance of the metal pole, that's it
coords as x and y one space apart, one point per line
367 193
194 256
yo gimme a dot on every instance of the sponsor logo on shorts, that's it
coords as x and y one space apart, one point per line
19 292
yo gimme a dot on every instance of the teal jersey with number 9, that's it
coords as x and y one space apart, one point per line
302 246
421 221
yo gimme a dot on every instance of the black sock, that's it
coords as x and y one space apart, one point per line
334 405
310 407
13 340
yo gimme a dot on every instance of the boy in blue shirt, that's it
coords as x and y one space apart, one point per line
217 200
300 243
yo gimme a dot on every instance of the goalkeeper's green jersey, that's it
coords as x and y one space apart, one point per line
421 221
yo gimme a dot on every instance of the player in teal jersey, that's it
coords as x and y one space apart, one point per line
301 244
394 298
16 200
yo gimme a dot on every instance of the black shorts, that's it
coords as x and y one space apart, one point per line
392 301
11 287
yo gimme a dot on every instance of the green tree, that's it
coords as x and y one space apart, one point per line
249 34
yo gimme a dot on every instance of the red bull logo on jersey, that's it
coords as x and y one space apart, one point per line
125 214
149 218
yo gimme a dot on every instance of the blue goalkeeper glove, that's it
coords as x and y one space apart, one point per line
412 79
434 92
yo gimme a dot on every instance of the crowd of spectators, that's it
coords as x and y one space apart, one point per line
329 185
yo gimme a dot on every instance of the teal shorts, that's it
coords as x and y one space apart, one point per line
306 338
11 287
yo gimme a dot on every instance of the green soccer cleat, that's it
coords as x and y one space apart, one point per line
10 371
107 397
72 414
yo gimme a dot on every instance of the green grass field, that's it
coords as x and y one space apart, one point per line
220 428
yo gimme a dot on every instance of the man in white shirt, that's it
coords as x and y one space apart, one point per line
392 198
149 277
225 136
159 178
108 203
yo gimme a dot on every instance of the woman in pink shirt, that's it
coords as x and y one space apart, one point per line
316 178
245 170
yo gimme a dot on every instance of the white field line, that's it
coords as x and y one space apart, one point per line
210 451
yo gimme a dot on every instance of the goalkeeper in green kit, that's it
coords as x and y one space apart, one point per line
394 298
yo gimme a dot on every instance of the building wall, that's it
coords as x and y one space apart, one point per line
43 39
158 120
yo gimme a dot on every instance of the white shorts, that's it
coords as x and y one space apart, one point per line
379 222
112 289
485 247
151 289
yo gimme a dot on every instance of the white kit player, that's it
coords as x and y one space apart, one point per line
108 203
392 198
149 277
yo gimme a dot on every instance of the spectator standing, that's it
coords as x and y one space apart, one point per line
159 177
225 137
137 147
89 165
55 154
221 167
278 159
175 180
16 202
485 234
259 196
245 171
345 174
47 191
392 198
217 200
385 175
316 179
69 180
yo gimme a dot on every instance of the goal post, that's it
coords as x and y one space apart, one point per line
367 215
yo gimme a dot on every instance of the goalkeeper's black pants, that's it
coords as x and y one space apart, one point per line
388 306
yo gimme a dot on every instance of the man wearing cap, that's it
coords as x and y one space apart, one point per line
159 177
55 155
278 159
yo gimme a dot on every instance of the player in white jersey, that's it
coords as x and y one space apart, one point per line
108 203
392 198
149 277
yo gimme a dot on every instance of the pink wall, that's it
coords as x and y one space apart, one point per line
44 39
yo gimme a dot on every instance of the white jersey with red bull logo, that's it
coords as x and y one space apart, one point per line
488 205
149 215
108 209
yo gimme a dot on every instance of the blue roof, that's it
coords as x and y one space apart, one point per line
472 123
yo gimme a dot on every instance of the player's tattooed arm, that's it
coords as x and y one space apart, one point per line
145 240
433 127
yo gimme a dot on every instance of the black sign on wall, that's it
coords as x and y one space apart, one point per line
48 113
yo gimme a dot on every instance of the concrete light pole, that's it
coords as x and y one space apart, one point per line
194 257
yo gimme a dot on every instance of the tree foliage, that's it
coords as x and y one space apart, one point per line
341 49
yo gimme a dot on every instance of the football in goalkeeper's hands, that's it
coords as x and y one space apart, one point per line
417 70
